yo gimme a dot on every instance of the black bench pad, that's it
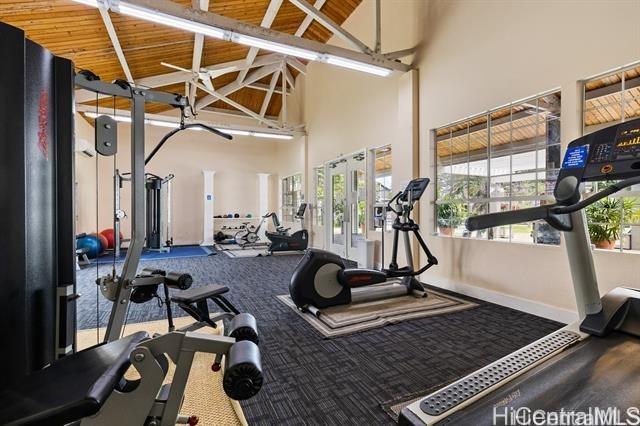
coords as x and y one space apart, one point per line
70 389
194 295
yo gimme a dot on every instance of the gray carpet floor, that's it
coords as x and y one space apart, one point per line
342 381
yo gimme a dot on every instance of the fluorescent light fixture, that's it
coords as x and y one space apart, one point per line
236 132
358 66
144 13
275 47
170 124
92 3
175 125
171 21
122 118
271 135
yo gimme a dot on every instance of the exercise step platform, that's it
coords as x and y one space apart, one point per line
194 295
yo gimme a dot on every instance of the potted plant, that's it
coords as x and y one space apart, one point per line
449 217
604 220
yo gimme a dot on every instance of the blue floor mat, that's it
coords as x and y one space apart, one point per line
175 253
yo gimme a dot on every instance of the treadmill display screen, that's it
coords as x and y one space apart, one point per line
627 144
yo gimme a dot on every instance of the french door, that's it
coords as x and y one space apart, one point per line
346 193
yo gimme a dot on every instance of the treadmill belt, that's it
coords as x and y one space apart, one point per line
598 372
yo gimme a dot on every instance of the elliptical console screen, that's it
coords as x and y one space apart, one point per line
416 187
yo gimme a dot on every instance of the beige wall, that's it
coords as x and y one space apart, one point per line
475 55
481 54
236 163
347 111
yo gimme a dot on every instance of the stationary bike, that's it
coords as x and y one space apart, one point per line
321 280
282 240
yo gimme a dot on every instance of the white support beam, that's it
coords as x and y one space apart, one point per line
83 95
230 113
400 53
283 112
198 45
237 106
309 19
267 97
329 24
248 34
254 76
267 87
296 64
267 20
116 43
289 76
175 119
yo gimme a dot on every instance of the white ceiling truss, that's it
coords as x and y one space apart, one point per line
252 68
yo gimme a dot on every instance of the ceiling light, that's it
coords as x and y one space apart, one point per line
175 125
122 118
272 135
236 132
171 21
275 47
358 66
160 123
92 3
152 15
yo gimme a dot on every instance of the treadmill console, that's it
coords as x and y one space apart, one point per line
416 188
608 154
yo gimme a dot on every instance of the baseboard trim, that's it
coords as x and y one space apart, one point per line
565 316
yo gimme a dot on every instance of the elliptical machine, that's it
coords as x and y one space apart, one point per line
321 280
282 240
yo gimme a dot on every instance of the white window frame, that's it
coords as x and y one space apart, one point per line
489 199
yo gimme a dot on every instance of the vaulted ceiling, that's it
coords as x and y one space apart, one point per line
77 32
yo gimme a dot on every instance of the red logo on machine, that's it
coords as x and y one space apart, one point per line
43 121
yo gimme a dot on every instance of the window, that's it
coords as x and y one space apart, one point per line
291 196
614 222
319 195
505 159
382 181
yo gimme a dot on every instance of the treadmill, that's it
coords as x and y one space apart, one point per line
590 366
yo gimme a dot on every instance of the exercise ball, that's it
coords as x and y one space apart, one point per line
109 235
91 243
103 242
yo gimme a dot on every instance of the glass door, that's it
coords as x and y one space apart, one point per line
337 193
346 197
357 202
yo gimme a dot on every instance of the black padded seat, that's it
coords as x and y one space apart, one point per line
72 388
193 295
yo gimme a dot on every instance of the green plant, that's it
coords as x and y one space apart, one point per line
450 215
605 217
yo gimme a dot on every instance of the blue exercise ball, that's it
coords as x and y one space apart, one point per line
92 244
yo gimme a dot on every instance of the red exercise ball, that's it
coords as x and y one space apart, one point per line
109 234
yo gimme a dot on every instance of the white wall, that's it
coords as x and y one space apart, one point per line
236 163
478 55
347 111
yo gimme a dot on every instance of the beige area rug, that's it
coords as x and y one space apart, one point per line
204 395
356 317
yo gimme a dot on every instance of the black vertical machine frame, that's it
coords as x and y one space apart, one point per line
37 242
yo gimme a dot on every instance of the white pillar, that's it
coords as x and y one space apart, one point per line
263 199
208 201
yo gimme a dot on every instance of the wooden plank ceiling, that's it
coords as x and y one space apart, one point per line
77 32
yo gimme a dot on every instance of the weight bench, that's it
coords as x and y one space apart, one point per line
75 387
194 302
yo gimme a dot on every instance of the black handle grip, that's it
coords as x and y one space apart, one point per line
490 220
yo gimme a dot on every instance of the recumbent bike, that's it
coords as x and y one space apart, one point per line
321 279
283 240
